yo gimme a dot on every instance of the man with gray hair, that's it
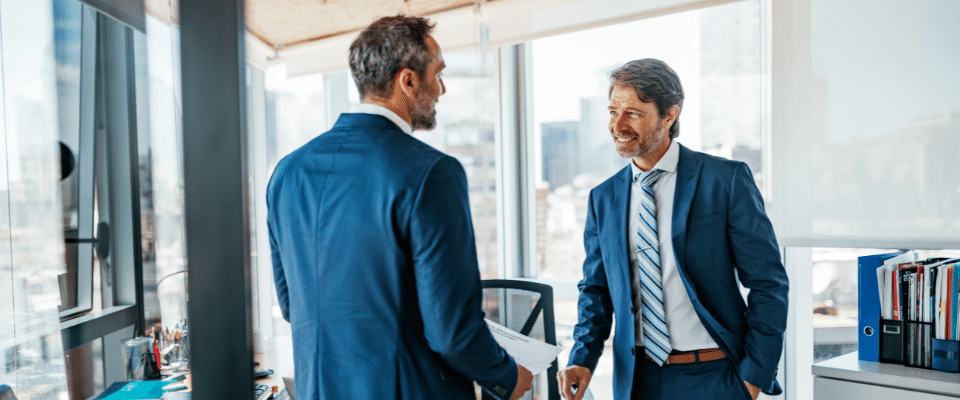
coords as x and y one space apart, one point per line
667 239
373 247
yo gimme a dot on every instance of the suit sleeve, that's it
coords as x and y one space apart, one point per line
448 281
279 278
761 270
595 308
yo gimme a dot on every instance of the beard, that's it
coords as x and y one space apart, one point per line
423 114
646 143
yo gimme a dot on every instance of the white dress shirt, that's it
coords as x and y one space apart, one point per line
366 108
686 331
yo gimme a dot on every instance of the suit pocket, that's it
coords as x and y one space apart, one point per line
704 220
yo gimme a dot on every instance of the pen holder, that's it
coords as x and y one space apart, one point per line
946 355
134 352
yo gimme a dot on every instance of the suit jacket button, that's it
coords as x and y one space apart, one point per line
633 351
633 310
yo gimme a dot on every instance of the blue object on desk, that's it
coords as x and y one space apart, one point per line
135 390
868 304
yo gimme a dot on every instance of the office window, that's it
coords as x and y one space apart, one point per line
32 251
466 119
164 234
296 112
717 54
77 220
67 33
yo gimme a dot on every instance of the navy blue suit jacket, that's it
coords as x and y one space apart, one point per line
376 269
720 233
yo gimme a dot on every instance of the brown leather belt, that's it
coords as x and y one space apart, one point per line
688 357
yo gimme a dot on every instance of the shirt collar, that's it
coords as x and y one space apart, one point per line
668 163
367 108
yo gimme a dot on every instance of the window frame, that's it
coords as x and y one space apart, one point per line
108 104
85 165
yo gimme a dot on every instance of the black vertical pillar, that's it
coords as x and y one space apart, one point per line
214 123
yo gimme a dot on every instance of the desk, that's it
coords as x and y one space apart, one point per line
846 377
274 380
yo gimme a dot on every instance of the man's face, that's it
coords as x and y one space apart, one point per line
423 113
636 127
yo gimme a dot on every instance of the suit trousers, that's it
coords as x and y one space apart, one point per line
708 380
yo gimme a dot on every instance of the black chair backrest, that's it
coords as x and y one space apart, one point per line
526 307
6 393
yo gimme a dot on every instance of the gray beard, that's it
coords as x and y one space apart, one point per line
644 147
423 115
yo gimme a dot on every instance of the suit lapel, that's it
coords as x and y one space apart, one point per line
621 203
688 173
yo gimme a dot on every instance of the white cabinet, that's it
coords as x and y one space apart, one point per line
845 378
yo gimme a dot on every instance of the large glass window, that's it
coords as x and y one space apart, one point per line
77 220
296 111
717 54
466 120
31 227
166 239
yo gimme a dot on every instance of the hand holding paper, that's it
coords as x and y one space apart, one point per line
532 354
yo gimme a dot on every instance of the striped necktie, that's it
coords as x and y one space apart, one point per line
656 337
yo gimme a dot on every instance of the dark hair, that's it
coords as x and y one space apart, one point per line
385 48
654 81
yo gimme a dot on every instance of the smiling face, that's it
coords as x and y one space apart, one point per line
423 113
638 130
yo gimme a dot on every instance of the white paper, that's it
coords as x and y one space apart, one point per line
532 354
886 290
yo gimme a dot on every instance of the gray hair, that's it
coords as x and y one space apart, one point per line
654 81
385 48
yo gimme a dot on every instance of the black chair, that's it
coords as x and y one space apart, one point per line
6 393
526 307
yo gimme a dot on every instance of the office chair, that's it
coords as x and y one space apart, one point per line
6 393
526 307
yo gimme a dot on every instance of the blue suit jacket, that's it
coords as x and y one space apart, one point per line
720 232
376 269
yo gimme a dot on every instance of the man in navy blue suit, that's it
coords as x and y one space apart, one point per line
667 239
372 242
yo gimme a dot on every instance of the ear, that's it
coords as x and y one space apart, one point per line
672 113
407 82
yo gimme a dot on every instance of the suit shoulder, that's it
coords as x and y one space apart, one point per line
414 154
